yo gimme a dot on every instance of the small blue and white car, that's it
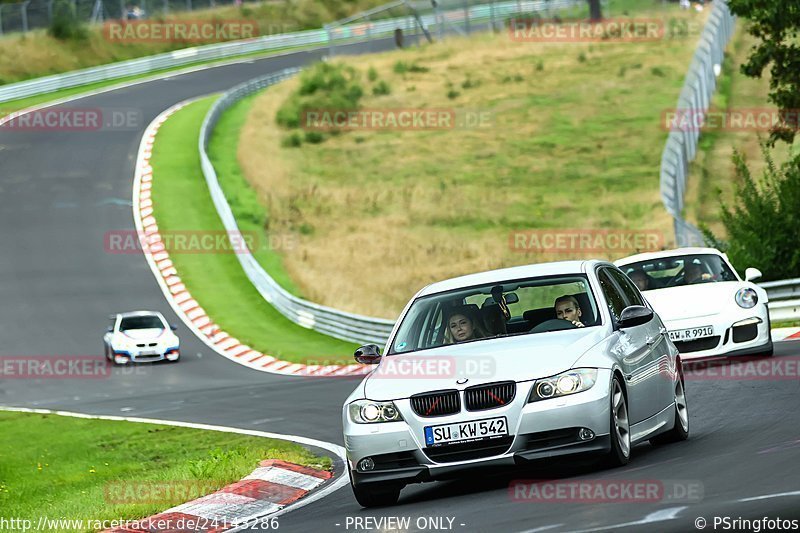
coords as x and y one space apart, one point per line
140 336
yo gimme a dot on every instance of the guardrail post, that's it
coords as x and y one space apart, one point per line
24 13
330 40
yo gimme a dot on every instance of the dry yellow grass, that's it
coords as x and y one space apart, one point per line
575 143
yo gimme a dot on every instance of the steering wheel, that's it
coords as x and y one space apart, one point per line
680 276
553 324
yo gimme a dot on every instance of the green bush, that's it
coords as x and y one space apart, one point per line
293 140
65 25
323 87
762 224
372 74
314 137
401 67
452 94
381 88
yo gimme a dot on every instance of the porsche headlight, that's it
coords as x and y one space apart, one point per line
369 412
563 384
746 298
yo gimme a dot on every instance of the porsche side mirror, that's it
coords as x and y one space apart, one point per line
369 354
635 315
752 274
110 330
173 327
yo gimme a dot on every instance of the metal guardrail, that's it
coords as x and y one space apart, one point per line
784 298
347 326
154 63
343 33
695 97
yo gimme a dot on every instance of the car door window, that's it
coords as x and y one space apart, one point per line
614 298
629 290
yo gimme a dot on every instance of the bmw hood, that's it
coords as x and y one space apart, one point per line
143 334
519 358
693 301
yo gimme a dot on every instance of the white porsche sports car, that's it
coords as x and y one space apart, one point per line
140 336
509 366
707 308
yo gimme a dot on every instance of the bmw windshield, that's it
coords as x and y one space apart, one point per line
497 310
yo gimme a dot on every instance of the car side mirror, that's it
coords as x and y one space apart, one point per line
369 354
512 298
110 330
173 327
635 315
751 274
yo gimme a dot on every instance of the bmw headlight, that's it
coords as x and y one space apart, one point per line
569 382
746 298
369 412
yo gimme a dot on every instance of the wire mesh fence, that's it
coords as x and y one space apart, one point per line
33 14
695 98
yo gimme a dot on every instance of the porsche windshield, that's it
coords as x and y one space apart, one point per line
497 310
679 270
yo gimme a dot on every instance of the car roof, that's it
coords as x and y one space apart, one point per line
129 314
511 273
666 253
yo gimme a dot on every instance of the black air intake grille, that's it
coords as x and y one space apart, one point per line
482 397
697 345
438 403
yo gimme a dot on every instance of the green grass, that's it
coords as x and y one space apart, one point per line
250 215
786 324
58 466
216 280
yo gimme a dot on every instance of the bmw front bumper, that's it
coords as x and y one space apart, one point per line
537 430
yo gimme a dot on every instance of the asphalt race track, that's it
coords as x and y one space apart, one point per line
60 192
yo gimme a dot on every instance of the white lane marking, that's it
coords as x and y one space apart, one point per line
285 477
768 496
265 420
658 516
544 528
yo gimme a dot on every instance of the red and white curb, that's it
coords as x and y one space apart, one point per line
271 487
186 307
785 334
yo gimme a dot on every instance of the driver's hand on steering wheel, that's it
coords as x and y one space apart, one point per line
577 323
